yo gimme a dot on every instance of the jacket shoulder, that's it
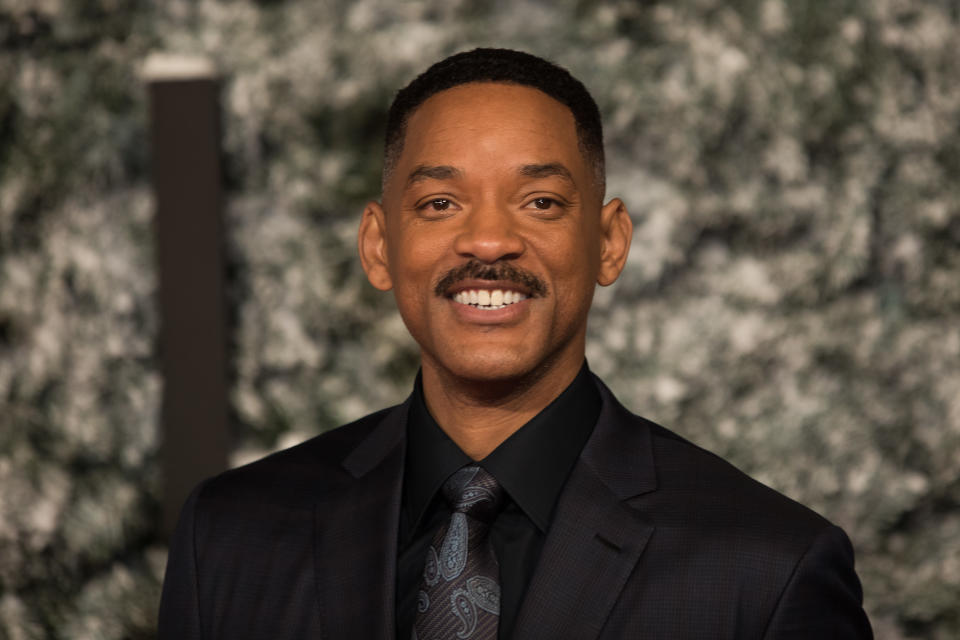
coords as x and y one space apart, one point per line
687 485
795 562
719 490
296 473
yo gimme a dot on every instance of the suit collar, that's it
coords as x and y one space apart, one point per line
532 465
593 545
596 538
355 523
380 442
620 452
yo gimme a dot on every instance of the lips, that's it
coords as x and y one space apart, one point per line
488 299
490 278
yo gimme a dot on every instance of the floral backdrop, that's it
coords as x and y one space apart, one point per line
792 301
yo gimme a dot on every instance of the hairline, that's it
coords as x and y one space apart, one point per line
594 159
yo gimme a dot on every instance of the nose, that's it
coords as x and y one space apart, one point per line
489 234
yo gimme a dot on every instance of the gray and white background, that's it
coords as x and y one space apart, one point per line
792 301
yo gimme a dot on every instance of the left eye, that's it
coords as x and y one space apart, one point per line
544 203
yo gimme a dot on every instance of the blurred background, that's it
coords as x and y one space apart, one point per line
792 301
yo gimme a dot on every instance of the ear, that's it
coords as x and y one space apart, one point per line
372 245
616 230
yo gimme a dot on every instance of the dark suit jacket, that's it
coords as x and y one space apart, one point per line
652 538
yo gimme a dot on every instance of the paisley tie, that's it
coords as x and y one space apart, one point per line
460 592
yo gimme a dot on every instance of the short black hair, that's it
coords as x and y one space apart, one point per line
503 66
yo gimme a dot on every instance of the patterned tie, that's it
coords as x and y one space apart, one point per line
460 592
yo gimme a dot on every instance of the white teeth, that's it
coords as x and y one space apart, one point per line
488 299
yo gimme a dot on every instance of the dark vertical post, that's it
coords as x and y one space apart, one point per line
185 134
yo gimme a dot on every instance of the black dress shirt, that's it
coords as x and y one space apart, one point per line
531 465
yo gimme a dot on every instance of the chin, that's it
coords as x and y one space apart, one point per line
487 364
489 369
502 364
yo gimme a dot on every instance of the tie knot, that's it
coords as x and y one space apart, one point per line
473 491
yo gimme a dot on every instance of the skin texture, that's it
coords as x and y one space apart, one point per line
491 175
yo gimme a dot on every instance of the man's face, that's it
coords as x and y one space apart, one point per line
492 235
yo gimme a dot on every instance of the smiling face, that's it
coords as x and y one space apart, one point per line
492 235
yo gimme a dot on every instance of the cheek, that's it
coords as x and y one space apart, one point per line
574 270
576 296
413 263
574 260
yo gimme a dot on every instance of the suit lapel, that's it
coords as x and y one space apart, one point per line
595 539
356 536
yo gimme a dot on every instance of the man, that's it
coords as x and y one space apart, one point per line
592 522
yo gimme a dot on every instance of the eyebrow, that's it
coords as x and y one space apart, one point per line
425 172
446 172
547 170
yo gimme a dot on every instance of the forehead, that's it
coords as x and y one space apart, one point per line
492 100
482 123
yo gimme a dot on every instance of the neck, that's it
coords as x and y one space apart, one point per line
479 415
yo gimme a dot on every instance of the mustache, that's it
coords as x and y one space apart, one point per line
502 271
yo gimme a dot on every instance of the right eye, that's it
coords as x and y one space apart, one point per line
438 204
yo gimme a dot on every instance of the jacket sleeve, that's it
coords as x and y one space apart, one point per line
179 616
823 598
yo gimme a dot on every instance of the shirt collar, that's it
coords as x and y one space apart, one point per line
531 465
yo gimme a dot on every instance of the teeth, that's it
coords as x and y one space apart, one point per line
488 299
